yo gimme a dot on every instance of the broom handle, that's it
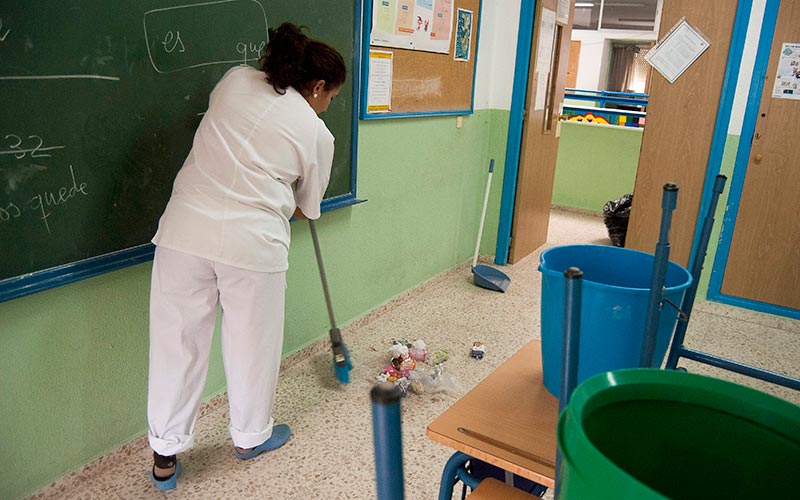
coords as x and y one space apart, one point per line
483 212
322 272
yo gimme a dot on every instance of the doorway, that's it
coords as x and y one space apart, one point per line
756 262
722 21
527 197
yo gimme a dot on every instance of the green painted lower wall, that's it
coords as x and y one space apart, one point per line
595 164
73 376
728 163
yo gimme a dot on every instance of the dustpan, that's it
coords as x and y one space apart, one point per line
490 278
486 276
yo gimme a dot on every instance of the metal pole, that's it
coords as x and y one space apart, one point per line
697 268
668 203
573 284
387 434
741 368
570 346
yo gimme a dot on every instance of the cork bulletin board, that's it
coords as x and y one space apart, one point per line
424 83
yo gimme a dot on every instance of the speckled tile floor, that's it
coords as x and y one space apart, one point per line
330 455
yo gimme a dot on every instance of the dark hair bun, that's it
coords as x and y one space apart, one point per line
283 56
293 59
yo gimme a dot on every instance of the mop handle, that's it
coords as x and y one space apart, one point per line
483 212
322 271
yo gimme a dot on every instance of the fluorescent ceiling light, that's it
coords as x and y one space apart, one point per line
584 4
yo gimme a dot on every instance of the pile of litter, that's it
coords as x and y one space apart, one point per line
413 369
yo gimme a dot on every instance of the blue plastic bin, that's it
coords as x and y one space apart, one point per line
616 288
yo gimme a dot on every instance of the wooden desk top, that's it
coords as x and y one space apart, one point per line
508 420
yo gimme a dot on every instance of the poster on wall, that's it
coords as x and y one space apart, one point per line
544 56
463 35
379 91
562 11
412 24
673 54
787 79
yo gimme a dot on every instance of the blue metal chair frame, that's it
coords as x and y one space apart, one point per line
678 350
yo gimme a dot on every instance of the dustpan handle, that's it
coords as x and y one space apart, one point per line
483 212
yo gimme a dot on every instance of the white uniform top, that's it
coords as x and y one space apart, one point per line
256 156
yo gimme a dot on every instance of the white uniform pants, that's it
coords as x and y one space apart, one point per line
184 296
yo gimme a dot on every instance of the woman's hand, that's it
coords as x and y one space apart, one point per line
299 215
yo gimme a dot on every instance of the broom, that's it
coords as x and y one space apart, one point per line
341 356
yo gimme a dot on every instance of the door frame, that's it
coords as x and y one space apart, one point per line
519 95
515 123
740 169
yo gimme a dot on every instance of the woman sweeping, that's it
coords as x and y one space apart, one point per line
260 156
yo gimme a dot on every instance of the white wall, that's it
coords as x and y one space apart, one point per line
596 51
497 54
746 70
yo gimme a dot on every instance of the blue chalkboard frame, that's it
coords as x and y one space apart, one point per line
27 284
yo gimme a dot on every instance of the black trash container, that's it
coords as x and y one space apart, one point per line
615 216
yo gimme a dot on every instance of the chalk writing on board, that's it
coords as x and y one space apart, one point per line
60 77
44 203
33 146
11 211
247 49
200 30
3 35
173 41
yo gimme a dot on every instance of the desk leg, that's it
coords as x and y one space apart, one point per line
454 470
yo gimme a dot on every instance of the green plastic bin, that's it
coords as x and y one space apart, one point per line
644 434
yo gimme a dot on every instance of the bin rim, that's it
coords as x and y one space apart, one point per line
618 289
578 442
684 387
653 384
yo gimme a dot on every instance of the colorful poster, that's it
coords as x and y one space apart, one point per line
463 35
412 24
442 20
379 90
385 15
405 17
787 79
423 19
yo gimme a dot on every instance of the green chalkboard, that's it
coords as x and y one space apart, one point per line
99 101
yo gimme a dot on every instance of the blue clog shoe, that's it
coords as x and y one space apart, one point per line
169 483
280 434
